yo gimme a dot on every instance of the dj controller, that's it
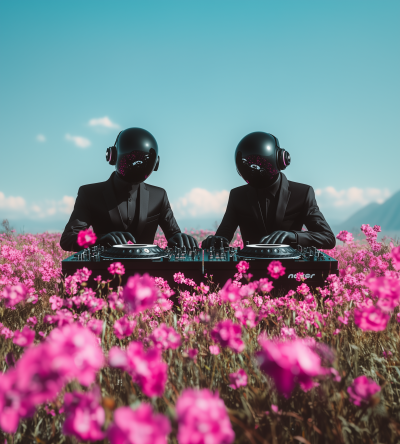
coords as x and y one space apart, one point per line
200 265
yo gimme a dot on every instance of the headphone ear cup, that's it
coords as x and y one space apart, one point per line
283 159
111 155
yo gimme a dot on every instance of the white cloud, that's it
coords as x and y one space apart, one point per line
18 207
79 141
41 138
199 202
350 198
12 203
103 121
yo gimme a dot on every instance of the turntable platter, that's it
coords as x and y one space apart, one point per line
134 251
268 251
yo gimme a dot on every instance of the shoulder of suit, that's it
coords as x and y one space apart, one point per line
154 188
299 186
239 189
92 187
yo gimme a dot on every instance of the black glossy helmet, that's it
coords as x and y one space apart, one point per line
135 154
259 159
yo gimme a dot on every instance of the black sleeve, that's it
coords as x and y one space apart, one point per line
319 233
80 220
229 222
167 220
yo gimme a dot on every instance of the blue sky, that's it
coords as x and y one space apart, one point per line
321 76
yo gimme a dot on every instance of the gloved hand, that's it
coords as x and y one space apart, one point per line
279 237
116 238
214 241
182 240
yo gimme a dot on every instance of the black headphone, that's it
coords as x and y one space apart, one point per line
111 153
282 156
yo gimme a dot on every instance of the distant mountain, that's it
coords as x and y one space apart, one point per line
387 215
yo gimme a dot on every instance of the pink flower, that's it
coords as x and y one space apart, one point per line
79 353
96 326
242 266
56 302
214 349
371 318
230 292
204 317
140 426
165 337
82 274
145 367
289 362
246 316
25 337
362 390
192 353
140 293
86 238
32 321
395 255
124 327
345 236
288 333
202 418
265 285
337 331
276 269
6 332
13 295
303 289
229 335
84 416
238 379
116 268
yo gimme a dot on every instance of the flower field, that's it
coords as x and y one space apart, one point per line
231 364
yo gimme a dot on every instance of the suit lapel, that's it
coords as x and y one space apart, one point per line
252 199
284 195
112 205
143 210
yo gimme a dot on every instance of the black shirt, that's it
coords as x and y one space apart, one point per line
128 201
268 201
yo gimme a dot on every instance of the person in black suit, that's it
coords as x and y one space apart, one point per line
124 208
270 209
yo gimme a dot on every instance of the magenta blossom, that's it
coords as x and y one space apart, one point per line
56 302
276 269
140 293
145 367
192 353
140 426
95 325
25 337
116 268
86 238
202 418
289 362
395 255
371 318
242 266
80 355
229 335
362 390
230 292
13 295
124 327
32 321
214 349
238 379
165 337
84 416
265 285
345 237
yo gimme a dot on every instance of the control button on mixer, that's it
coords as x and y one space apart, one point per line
146 250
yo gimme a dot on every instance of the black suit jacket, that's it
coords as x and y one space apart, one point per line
96 206
296 207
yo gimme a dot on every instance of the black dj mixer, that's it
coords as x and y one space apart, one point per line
200 265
